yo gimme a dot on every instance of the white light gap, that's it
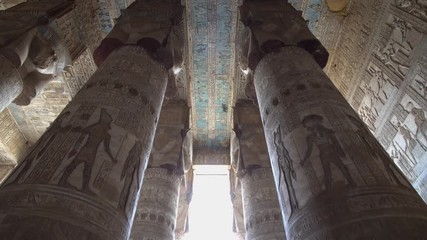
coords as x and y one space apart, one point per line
211 210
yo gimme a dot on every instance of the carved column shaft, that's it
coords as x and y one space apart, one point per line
334 179
250 161
82 178
157 206
263 219
170 159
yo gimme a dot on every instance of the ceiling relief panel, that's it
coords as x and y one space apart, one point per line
211 30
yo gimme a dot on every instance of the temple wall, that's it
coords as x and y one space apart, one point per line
380 65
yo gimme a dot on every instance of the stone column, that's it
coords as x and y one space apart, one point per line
157 206
82 178
170 160
263 218
250 161
184 200
334 179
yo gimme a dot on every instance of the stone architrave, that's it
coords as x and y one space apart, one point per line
157 207
333 178
251 163
82 178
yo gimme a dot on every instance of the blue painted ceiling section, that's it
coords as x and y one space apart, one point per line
213 56
312 13
311 9
213 61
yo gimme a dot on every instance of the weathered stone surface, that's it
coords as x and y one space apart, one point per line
156 215
309 128
184 200
378 65
12 140
172 147
251 166
87 167
263 218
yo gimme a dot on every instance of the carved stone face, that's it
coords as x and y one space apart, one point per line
42 55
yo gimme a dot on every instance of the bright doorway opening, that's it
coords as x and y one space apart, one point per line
211 210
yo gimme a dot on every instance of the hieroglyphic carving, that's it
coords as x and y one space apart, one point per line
91 27
328 131
11 137
76 75
409 146
398 46
91 133
352 49
157 207
377 92
262 214
414 7
420 85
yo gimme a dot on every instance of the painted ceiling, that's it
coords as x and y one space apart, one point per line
213 75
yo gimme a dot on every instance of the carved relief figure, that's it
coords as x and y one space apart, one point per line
378 91
399 36
45 141
131 169
85 150
420 121
388 57
329 147
286 167
410 142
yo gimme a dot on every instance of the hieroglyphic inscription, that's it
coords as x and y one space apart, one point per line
86 152
377 92
343 153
